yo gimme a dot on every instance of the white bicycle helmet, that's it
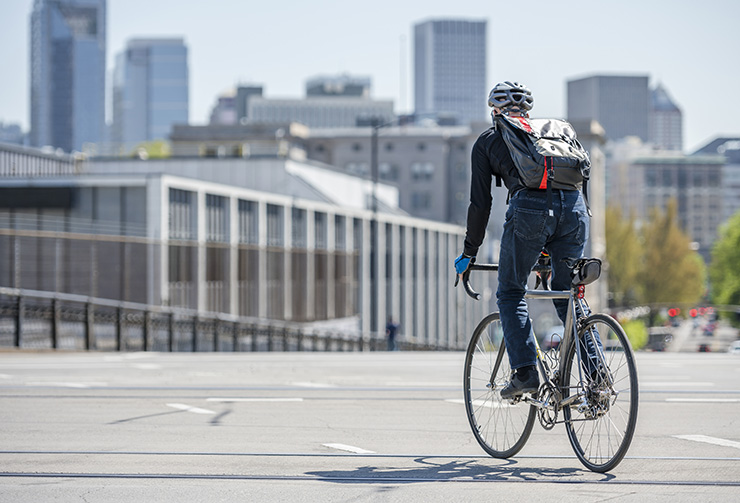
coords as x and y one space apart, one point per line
511 96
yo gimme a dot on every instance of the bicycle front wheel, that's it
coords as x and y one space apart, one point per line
602 384
500 426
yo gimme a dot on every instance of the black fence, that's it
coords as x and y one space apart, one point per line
39 320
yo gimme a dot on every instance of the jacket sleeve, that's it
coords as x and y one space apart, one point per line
480 196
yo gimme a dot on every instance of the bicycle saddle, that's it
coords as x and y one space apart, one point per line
583 271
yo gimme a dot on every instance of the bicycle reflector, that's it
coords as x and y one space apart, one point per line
581 291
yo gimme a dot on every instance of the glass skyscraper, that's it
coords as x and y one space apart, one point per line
450 69
68 39
150 90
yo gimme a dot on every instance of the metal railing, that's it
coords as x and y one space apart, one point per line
32 319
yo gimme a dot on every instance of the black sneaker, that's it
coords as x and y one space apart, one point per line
523 381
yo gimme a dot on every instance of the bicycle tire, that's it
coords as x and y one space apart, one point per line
500 427
601 423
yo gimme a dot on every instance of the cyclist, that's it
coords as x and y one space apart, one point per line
528 230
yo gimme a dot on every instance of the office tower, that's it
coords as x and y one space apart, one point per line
150 90
67 73
450 70
666 121
621 104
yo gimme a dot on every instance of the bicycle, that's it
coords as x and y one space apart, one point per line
588 375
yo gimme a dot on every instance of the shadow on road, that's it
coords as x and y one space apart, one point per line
428 470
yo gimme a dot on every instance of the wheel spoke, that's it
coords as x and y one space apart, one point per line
500 428
601 428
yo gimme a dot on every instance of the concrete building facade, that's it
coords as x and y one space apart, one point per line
620 103
258 238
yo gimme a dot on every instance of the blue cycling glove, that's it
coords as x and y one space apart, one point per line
463 262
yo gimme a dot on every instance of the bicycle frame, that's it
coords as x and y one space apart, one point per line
577 309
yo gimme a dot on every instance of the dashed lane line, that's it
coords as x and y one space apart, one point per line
234 400
710 440
703 400
348 448
189 408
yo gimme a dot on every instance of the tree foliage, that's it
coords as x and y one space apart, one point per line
724 272
672 272
655 265
624 255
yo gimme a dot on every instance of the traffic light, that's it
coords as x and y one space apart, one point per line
673 312
693 313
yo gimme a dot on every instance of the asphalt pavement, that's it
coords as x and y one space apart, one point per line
379 426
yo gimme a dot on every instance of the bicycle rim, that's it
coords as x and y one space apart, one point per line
500 427
601 423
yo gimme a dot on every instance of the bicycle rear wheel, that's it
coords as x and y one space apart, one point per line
500 426
601 421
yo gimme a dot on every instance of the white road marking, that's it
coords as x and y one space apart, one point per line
147 366
313 385
5 376
710 440
232 400
68 384
669 384
348 448
424 384
483 403
703 400
189 408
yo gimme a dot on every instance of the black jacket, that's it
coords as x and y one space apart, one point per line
490 157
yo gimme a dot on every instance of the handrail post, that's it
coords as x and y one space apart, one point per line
119 328
216 346
18 322
89 322
171 333
54 324
145 329
235 335
195 333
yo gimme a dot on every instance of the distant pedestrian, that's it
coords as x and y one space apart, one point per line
391 330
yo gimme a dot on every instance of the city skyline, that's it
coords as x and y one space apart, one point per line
671 42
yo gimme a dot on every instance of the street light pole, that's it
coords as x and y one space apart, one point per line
376 124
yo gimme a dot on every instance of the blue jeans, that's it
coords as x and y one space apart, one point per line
529 229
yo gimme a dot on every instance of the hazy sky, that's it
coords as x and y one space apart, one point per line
692 47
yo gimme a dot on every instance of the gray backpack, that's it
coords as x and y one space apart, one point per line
546 153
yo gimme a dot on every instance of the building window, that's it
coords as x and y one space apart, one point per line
388 171
388 147
340 232
299 229
320 231
357 147
357 168
421 147
422 170
181 217
248 222
216 219
274 225
421 200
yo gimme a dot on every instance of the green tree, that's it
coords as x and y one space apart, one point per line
724 271
624 255
672 272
